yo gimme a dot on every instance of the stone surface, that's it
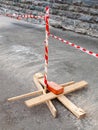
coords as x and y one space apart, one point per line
55 24
85 18
75 15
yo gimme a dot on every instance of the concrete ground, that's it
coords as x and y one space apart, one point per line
21 55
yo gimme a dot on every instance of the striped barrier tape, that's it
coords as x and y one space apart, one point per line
75 46
32 16
24 16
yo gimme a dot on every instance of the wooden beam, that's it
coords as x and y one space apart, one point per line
50 95
38 85
67 84
63 85
49 103
40 76
78 112
35 93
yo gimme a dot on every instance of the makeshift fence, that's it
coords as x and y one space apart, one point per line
42 83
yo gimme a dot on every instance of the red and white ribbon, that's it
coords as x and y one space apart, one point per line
32 16
20 17
75 46
17 16
46 45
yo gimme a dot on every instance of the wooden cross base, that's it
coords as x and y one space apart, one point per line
46 97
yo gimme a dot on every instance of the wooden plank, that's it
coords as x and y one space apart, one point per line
26 95
67 84
40 76
50 95
49 103
38 85
63 85
78 112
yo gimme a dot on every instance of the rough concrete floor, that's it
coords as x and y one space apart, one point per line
21 55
